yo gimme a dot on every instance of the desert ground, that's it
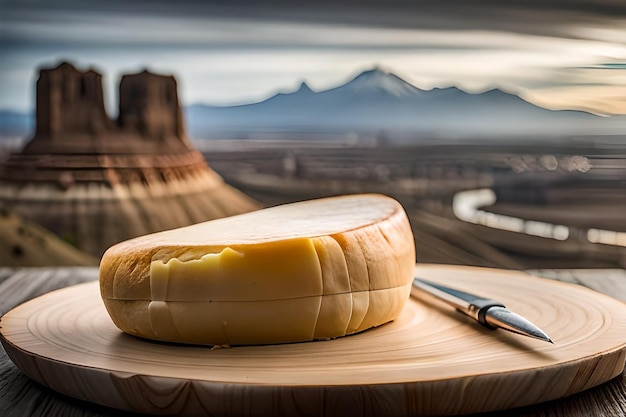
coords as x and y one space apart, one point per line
577 184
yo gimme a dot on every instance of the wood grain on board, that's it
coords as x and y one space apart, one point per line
431 360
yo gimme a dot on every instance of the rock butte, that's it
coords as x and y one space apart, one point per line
95 181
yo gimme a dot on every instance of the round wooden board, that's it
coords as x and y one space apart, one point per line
431 360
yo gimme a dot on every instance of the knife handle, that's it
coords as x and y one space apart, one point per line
478 310
471 305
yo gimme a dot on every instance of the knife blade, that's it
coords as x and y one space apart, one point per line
490 313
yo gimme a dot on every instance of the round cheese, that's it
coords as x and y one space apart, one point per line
315 269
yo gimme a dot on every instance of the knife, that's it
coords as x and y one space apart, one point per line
489 313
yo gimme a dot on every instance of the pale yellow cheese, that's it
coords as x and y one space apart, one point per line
311 270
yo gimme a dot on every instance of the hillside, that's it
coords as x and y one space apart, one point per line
23 243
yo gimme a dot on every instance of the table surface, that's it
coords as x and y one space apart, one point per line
19 396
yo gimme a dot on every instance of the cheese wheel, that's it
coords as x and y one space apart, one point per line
317 269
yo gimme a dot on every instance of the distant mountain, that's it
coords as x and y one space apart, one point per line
15 124
378 102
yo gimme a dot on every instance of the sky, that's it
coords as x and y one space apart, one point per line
560 54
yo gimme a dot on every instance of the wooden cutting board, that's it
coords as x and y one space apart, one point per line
431 360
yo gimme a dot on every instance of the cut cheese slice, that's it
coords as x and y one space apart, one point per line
316 269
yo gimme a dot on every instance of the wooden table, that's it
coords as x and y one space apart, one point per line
19 396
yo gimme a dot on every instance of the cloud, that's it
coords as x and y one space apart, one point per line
547 17
608 66
242 49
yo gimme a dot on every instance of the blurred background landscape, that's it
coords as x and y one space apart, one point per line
500 126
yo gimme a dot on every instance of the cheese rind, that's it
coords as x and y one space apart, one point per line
312 270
